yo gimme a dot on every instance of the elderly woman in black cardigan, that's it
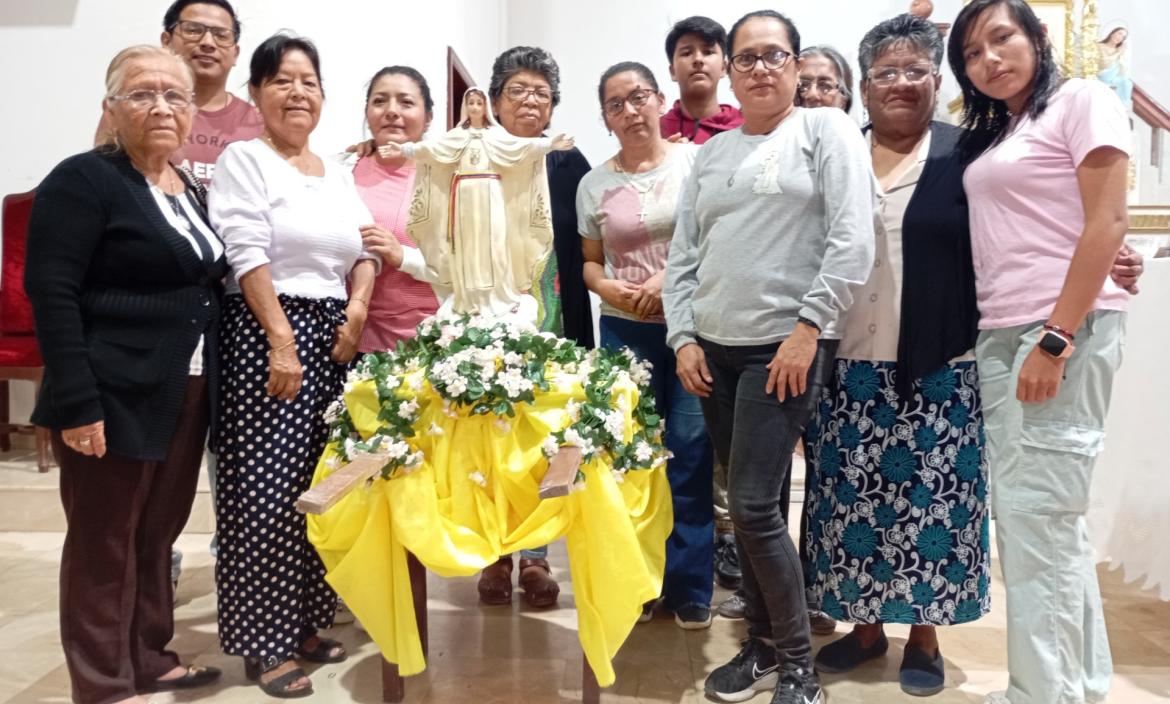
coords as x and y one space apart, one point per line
123 272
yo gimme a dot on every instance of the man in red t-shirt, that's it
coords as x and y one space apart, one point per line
206 34
697 50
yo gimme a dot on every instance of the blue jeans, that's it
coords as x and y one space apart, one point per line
690 549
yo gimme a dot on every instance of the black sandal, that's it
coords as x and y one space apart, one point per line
321 653
277 687
195 676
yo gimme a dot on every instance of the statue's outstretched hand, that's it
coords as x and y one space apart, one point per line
390 150
562 143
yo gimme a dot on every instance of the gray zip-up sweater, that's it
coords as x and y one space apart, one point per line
770 228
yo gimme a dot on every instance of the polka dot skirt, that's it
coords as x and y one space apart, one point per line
271 583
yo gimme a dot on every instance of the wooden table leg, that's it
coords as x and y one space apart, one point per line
590 692
393 684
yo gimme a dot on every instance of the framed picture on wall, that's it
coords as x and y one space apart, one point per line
1057 17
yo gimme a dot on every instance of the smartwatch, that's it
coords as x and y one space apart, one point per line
1055 345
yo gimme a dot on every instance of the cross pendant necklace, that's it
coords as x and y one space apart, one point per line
642 191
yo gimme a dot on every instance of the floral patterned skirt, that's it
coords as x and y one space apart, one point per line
898 528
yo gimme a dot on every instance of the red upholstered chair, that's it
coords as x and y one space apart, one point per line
19 356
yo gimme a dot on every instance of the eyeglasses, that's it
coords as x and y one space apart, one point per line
146 98
518 94
888 75
745 62
637 100
194 31
823 86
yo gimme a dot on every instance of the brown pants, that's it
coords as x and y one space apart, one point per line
123 514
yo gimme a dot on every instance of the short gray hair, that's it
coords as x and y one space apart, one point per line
841 64
919 33
525 58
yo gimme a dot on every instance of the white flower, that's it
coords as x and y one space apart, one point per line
643 452
333 412
615 424
550 447
572 437
457 386
618 475
573 409
498 332
513 359
407 408
416 382
414 460
397 450
333 462
434 429
478 478
640 373
392 381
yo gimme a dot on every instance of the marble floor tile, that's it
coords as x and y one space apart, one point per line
515 654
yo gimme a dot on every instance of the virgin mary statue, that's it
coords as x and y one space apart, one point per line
480 212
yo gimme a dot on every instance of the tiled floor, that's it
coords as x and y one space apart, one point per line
503 655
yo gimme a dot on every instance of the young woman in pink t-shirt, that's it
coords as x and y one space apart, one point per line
1048 216
399 110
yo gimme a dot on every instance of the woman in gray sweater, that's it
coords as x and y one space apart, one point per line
774 234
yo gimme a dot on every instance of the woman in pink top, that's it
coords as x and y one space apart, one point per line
398 109
1048 215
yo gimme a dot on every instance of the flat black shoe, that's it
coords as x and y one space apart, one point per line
323 652
195 676
922 675
277 687
844 654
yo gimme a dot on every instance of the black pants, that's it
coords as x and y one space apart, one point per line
754 436
123 514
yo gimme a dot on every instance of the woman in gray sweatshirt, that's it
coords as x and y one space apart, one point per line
774 234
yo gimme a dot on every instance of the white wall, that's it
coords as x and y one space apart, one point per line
55 54
588 37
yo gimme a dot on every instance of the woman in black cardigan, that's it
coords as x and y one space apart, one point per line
123 273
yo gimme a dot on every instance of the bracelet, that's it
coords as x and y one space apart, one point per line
811 324
1059 330
364 302
286 345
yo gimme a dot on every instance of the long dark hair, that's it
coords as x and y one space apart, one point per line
985 119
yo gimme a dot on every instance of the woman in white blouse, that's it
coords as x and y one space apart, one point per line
291 223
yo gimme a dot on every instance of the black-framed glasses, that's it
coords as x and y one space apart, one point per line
146 98
824 86
773 60
888 75
194 31
637 99
518 94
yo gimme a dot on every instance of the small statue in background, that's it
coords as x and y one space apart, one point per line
921 8
1115 64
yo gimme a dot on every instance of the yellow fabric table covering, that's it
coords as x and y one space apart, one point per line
474 498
